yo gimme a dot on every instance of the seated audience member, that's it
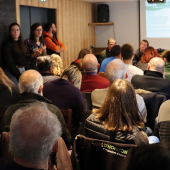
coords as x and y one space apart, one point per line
45 68
54 45
153 80
107 52
166 58
116 69
65 94
118 120
138 54
34 134
127 55
115 51
148 54
155 156
81 55
91 80
57 64
31 87
164 122
9 95
35 45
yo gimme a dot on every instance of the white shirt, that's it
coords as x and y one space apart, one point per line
131 71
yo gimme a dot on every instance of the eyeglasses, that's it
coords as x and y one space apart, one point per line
39 29
13 30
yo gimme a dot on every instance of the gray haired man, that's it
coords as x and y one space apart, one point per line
34 132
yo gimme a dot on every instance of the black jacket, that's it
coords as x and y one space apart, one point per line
11 58
94 128
28 98
152 81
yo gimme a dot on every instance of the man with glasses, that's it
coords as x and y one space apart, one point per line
53 44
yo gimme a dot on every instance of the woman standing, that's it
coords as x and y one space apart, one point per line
13 54
35 45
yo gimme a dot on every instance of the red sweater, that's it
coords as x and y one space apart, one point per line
92 82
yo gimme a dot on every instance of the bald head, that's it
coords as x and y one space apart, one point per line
115 69
30 81
90 63
157 64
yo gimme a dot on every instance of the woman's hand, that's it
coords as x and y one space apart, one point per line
43 47
39 51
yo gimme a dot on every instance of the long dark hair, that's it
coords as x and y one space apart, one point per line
120 110
19 47
32 35
82 53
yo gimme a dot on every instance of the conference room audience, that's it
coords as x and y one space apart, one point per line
127 55
13 54
116 69
9 95
35 45
166 58
34 134
153 80
90 80
115 51
138 54
107 52
31 88
65 94
57 64
45 68
119 119
80 57
54 45
155 156
147 55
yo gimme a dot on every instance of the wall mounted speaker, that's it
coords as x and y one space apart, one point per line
103 13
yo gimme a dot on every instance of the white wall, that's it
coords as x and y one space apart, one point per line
125 16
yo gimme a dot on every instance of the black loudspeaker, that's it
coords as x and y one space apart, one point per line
103 13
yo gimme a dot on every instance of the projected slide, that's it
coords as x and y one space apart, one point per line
158 20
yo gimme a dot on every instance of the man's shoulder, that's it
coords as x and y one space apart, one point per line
103 52
134 69
50 78
99 92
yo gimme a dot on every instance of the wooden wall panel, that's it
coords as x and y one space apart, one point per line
72 18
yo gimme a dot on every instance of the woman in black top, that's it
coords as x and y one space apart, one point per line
13 53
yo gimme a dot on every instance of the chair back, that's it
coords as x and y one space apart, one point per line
153 102
87 100
101 74
68 118
90 154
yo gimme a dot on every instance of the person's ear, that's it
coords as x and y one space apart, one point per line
126 76
40 89
165 59
133 55
55 147
7 137
163 72
98 65
51 70
149 66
